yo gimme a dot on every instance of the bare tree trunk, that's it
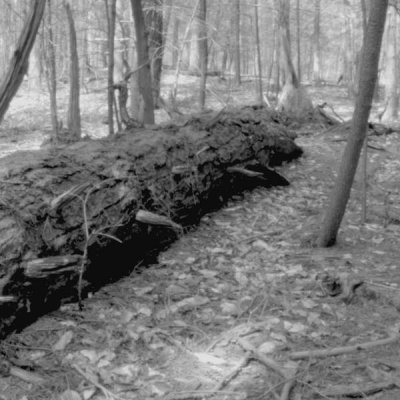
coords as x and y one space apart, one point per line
236 45
365 144
348 54
174 90
20 60
142 48
51 72
316 54
368 76
175 42
259 65
74 114
391 85
110 6
298 41
293 98
155 28
202 50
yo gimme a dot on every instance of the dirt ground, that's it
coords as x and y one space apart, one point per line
224 312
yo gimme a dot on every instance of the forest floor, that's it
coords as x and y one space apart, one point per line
242 291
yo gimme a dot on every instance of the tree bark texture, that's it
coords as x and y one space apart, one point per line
202 50
51 72
57 207
392 74
236 45
74 112
19 62
316 43
293 98
144 75
258 50
154 25
111 11
368 76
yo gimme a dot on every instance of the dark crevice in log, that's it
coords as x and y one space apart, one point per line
58 205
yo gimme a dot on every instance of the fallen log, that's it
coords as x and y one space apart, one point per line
76 217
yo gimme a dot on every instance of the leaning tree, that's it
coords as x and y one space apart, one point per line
19 63
368 76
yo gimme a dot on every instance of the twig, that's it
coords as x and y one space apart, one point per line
107 393
358 391
267 361
299 355
232 375
288 374
26 376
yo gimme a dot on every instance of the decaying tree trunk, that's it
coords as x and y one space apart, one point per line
73 219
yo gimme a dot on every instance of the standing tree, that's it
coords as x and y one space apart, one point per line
392 75
293 98
20 60
202 50
154 24
258 50
74 113
316 43
348 49
368 76
144 73
51 73
110 6
298 41
236 45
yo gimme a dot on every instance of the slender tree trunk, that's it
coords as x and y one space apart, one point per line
368 76
74 114
154 26
142 48
20 60
175 41
236 45
293 98
316 54
365 144
349 60
391 87
111 12
202 50
174 90
298 41
51 72
259 64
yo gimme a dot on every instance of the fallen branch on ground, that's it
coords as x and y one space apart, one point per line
300 355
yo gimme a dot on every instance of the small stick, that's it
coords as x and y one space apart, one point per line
107 393
299 355
357 391
288 375
268 362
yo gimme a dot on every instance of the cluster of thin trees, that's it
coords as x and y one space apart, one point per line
279 43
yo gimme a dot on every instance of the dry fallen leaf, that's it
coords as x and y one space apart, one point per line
63 341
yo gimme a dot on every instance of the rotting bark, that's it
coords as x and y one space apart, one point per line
74 212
